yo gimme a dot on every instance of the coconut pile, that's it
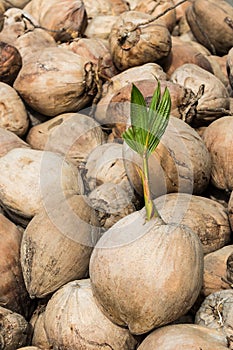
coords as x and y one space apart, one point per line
80 265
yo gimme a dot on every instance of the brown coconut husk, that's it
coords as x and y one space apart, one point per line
15 331
10 63
13 113
216 270
218 140
59 252
64 20
133 44
13 294
214 102
90 329
56 81
210 32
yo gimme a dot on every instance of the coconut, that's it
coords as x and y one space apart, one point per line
134 42
15 331
23 31
28 177
217 270
105 164
8 141
95 50
216 312
207 218
64 19
146 274
57 245
73 135
208 32
180 163
69 325
10 63
12 111
214 102
182 53
15 3
39 338
13 294
111 203
186 336
218 140
56 81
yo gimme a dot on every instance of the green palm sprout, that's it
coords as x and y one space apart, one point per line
143 136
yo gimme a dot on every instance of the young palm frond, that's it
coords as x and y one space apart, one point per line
144 134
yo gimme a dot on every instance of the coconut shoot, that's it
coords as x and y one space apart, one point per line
143 136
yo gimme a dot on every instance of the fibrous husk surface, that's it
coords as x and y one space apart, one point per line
64 20
13 114
9 140
207 218
138 269
55 81
210 22
73 321
57 245
133 45
10 63
214 101
186 336
73 135
13 293
15 331
28 177
218 140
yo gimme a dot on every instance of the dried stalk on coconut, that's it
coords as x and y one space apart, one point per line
96 8
28 176
8 141
57 244
157 8
71 134
13 294
15 331
100 26
12 111
184 103
211 32
186 336
10 63
111 203
62 82
134 74
70 326
214 102
94 50
216 312
105 164
64 20
218 140
135 40
181 162
207 218
217 270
